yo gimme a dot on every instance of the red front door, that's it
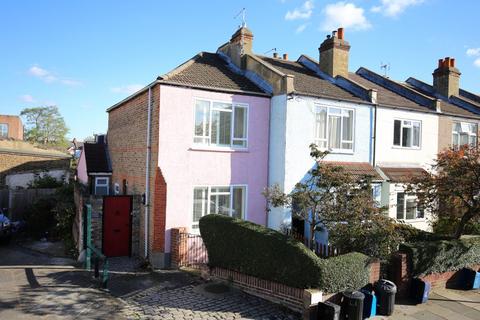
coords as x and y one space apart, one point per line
116 226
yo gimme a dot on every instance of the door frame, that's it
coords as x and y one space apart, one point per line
130 222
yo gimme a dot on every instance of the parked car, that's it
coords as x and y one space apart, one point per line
5 226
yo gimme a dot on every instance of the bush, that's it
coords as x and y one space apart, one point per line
448 225
411 234
348 271
429 257
267 254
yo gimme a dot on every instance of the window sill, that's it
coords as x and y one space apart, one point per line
217 149
412 220
407 148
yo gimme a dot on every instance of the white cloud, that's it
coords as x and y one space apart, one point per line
346 15
392 8
303 12
301 28
473 52
49 77
27 98
127 89
477 62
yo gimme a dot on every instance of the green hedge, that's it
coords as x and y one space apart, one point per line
411 234
429 257
265 253
348 271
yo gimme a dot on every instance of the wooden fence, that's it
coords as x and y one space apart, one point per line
321 250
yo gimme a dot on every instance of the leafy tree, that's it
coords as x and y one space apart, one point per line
331 197
45 126
451 191
45 181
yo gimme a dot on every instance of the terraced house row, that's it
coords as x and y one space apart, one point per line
210 135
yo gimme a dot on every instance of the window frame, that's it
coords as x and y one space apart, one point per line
107 184
326 139
4 125
401 133
470 134
231 146
194 224
407 197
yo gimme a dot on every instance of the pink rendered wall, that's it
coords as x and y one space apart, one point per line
82 169
184 167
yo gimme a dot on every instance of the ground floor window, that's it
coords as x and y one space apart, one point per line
407 207
226 200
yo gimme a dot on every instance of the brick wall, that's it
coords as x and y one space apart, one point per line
15 126
17 162
402 275
127 145
178 249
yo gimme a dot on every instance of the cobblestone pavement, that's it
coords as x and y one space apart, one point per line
191 302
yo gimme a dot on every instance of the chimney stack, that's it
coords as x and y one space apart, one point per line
239 45
446 78
334 54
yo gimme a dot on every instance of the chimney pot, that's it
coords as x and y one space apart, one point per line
440 63
285 56
340 33
275 55
452 62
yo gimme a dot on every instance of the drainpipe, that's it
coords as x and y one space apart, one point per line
147 172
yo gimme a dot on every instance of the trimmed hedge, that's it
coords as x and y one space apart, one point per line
348 271
411 234
429 257
268 254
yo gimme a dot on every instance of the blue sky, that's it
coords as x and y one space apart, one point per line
85 56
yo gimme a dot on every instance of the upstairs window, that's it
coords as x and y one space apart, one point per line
334 128
101 186
464 133
226 200
3 130
407 207
220 124
406 133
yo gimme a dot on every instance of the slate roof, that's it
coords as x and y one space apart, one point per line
385 96
402 175
445 106
308 82
209 70
358 170
96 157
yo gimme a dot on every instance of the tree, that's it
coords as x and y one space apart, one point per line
451 191
331 197
45 125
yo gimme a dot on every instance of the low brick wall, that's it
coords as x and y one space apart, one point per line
292 298
402 275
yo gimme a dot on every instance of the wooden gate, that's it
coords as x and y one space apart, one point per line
117 226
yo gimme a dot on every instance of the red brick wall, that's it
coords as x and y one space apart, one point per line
15 126
177 249
127 145
159 212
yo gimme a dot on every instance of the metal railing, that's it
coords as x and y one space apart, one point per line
91 250
193 252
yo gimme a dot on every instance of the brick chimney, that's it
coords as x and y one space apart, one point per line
446 78
239 45
334 54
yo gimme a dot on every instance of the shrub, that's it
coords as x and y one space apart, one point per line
411 234
348 271
39 218
267 254
429 257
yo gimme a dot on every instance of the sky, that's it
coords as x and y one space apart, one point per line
84 56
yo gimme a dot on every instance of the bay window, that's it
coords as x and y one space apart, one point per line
464 133
407 207
334 128
406 133
220 124
226 200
